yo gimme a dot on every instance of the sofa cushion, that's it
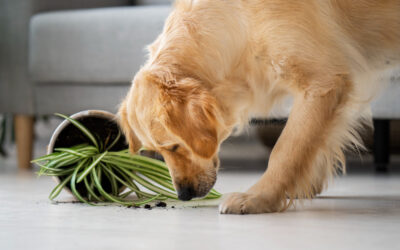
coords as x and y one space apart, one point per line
93 46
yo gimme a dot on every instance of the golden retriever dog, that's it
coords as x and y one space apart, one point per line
218 63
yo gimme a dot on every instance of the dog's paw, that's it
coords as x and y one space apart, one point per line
247 203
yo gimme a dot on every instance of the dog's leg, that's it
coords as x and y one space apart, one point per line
308 150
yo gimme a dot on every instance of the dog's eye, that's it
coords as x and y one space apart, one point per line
174 148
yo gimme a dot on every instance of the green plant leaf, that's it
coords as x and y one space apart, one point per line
66 160
160 181
112 179
71 151
114 142
73 184
56 171
105 194
46 157
138 168
128 183
90 167
56 191
90 189
160 165
149 185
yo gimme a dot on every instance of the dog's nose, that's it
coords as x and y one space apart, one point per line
186 193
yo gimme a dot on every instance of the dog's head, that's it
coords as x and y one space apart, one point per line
178 118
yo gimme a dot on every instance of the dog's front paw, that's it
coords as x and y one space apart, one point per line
247 203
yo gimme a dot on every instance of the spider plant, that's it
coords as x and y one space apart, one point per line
94 173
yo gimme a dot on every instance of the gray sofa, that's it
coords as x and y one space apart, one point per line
68 56
85 59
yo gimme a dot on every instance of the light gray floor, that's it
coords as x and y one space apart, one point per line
359 211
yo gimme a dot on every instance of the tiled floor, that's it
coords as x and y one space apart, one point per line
359 211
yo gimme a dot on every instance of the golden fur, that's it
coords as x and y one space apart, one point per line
218 62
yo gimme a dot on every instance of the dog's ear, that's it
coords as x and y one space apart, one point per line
133 141
188 110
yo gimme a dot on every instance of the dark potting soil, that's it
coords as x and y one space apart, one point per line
148 206
161 204
103 129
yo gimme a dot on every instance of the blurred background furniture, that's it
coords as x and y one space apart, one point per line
68 56
385 109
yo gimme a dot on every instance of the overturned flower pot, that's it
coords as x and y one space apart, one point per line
88 156
104 127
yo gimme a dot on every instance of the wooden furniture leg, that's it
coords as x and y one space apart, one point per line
24 140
